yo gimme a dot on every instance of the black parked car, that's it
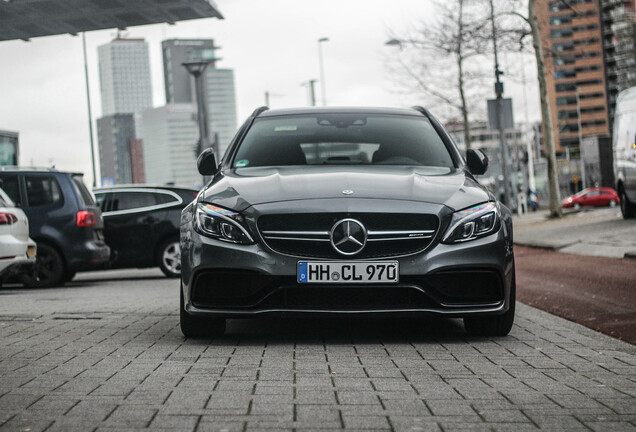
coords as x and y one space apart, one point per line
63 219
141 225
345 211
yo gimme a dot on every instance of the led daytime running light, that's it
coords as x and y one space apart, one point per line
465 224
213 210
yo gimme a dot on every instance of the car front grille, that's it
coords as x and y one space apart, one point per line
307 235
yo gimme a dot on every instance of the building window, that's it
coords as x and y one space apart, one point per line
563 46
566 100
564 73
560 19
564 87
561 33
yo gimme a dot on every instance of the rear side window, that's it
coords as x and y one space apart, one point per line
162 198
84 193
132 200
42 190
11 187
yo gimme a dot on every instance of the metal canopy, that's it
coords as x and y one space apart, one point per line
25 19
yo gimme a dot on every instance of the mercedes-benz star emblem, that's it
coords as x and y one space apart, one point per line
347 192
348 236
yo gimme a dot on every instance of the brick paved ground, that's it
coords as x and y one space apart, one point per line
107 354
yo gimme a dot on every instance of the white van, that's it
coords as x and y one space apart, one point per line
625 150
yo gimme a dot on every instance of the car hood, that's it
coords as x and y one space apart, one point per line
240 188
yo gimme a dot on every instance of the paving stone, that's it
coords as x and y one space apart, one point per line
127 367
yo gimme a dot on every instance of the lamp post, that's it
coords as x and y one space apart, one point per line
578 115
499 89
322 71
90 116
196 69
312 93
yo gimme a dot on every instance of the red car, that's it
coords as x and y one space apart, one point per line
592 197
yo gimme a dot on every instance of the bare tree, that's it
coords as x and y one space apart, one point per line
440 65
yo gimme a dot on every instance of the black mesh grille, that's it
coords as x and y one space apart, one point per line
320 246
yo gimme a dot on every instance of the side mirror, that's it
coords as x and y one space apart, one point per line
476 161
206 162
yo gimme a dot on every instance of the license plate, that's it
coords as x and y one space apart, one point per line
349 272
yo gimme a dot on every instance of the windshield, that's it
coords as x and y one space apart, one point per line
342 139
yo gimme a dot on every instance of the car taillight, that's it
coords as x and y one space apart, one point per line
86 218
7 219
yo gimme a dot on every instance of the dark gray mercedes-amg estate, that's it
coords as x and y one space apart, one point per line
345 211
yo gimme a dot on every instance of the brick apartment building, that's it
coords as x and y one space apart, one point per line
589 49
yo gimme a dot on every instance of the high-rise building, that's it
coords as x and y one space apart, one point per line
590 51
126 90
572 40
9 148
171 134
124 75
220 97
114 134
618 18
179 88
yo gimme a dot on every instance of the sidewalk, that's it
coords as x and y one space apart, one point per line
598 232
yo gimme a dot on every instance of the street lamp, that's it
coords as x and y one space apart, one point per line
578 116
499 89
322 71
196 69
90 116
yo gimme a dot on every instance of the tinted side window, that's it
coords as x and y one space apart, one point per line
11 187
100 199
42 190
161 198
84 193
131 200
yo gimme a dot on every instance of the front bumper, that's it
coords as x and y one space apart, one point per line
225 280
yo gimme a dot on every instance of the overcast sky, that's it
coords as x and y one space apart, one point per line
272 46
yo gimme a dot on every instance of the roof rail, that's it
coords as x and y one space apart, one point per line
259 110
30 168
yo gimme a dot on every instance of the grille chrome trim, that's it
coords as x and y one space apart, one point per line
297 238
400 232
304 235
267 233
399 238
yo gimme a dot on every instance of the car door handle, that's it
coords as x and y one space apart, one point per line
149 220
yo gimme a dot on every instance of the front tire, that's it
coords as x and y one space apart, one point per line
169 255
197 327
496 325
628 209
48 270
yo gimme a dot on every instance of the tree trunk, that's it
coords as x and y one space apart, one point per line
546 117
460 73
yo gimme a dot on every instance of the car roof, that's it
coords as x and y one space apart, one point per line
38 170
340 110
144 186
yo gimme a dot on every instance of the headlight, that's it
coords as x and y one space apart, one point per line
472 223
222 224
